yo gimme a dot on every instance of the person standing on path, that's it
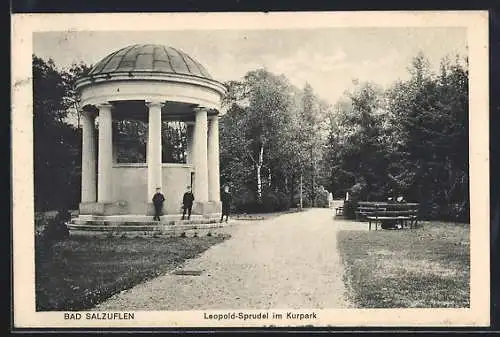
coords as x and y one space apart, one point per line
158 200
187 203
226 203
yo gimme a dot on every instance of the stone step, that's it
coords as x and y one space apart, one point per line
148 233
110 227
111 222
83 227
138 224
145 230
147 218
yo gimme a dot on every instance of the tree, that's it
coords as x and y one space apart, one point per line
430 114
235 158
408 140
358 149
57 158
261 102
174 142
261 133
130 137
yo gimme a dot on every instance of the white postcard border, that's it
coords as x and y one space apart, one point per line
24 25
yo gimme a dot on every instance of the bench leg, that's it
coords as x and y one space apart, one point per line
369 225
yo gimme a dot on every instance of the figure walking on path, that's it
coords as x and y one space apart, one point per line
226 202
158 200
187 203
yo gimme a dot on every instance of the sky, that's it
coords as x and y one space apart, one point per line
327 58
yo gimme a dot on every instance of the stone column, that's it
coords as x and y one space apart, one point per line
105 160
154 148
88 158
213 160
200 156
189 145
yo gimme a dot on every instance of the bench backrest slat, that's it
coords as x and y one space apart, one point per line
387 209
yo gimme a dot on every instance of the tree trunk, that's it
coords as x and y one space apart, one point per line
313 191
259 169
301 191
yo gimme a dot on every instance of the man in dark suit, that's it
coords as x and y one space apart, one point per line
226 203
158 200
187 203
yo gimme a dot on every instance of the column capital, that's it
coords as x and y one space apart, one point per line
87 113
151 104
200 109
105 105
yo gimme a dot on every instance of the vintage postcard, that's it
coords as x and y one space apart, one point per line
320 169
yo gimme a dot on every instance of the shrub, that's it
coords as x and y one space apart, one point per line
243 200
274 201
52 228
350 207
322 197
249 206
57 230
306 202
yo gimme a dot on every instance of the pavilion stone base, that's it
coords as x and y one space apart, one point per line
209 208
205 208
114 217
199 208
139 224
120 225
104 208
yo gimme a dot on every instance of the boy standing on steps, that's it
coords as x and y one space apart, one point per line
158 200
187 203
226 202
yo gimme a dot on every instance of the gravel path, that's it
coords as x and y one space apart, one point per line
286 262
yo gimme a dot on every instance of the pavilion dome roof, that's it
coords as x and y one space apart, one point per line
150 58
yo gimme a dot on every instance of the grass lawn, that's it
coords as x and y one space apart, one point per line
426 267
77 273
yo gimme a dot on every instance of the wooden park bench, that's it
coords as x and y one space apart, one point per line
405 214
365 209
339 210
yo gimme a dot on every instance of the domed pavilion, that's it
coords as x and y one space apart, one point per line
151 83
